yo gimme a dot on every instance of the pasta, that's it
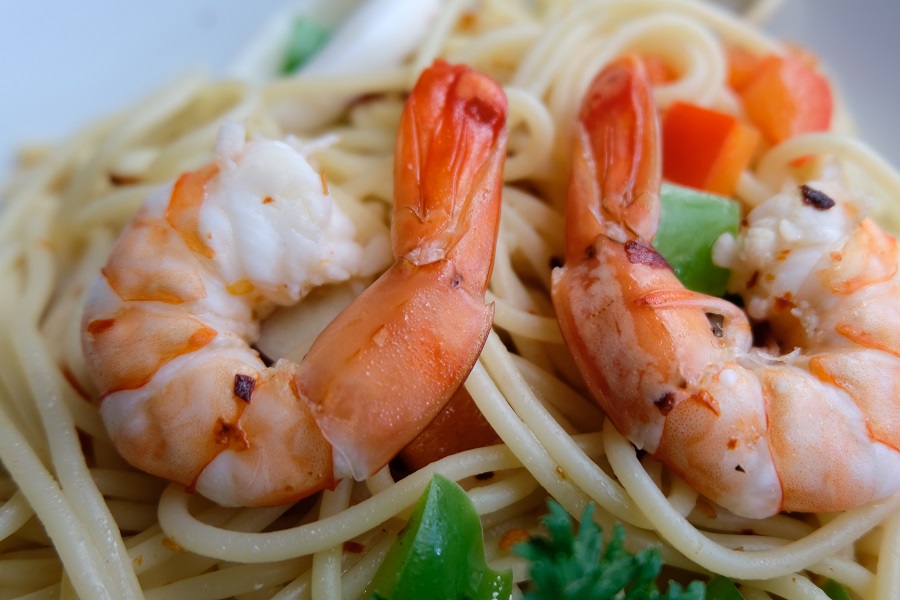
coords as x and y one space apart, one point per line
77 521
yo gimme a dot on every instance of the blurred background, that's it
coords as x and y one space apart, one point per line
63 63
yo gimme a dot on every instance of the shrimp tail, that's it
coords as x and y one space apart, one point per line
616 166
611 216
424 322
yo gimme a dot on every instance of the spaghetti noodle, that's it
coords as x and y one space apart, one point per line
76 520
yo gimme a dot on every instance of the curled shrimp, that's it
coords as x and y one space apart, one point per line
168 327
815 428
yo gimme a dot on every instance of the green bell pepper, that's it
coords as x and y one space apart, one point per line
440 554
690 223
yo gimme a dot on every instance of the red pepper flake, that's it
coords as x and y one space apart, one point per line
120 180
268 200
172 545
640 252
243 386
514 537
815 198
754 279
665 403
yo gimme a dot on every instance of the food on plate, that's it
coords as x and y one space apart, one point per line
754 430
207 258
746 222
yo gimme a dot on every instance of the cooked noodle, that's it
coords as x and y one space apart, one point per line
77 520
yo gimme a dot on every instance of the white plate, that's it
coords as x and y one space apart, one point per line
63 63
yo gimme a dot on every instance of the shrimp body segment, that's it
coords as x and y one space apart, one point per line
168 327
811 422
400 351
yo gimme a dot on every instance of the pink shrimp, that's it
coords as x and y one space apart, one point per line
815 429
167 328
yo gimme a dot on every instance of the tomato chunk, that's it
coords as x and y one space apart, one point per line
785 96
705 149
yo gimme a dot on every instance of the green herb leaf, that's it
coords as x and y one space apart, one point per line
572 566
306 38
690 223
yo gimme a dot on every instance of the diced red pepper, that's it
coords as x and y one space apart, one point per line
785 96
705 149
741 64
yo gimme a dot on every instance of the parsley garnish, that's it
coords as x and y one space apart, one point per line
576 566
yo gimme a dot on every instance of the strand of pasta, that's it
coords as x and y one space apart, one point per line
17 573
851 574
888 581
176 520
357 578
537 254
68 458
504 44
14 513
192 150
65 528
141 119
491 391
550 388
542 217
790 558
227 582
326 568
525 108
36 181
559 446
524 323
732 28
773 164
497 496
440 29
381 82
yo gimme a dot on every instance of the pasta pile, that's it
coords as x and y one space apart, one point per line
77 521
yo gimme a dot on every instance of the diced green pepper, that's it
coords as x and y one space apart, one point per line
306 38
440 553
722 588
690 223
835 590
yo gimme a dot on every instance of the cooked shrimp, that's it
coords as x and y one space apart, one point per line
167 328
374 380
814 429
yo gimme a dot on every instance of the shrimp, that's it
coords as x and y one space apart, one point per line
168 326
811 424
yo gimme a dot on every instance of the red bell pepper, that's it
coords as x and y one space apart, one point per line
786 96
705 149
